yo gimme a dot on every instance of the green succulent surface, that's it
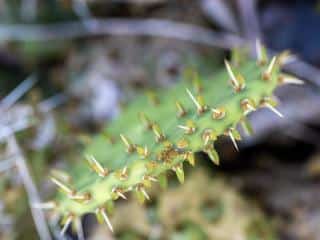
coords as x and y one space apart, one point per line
160 131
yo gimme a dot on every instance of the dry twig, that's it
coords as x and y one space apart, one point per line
33 195
99 27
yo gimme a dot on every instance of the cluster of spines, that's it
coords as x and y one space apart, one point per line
172 155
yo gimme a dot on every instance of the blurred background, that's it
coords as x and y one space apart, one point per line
67 65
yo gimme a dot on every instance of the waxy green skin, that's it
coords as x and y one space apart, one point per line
216 91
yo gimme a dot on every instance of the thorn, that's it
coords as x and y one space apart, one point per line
181 110
101 213
124 170
179 172
208 135
213 155
45 206
231 74
81 198
143 191
271 65
194 100
189 156
118 193
124 174
201 108
206 139
147 179
69 191
273 109
150 178
247 106
96 166
145 194
130 147
188 129
268 73
237 82
218 113
67 224
232 137
122 195
288 79
270 104
157 131
246 126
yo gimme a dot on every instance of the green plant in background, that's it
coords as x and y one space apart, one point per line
159 132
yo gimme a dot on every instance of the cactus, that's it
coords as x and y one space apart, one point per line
159 132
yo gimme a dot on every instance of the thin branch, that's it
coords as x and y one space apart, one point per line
220 13
33 195
6 131
249 23
149 27
23 121
49 104
99 27
17 93
249 19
